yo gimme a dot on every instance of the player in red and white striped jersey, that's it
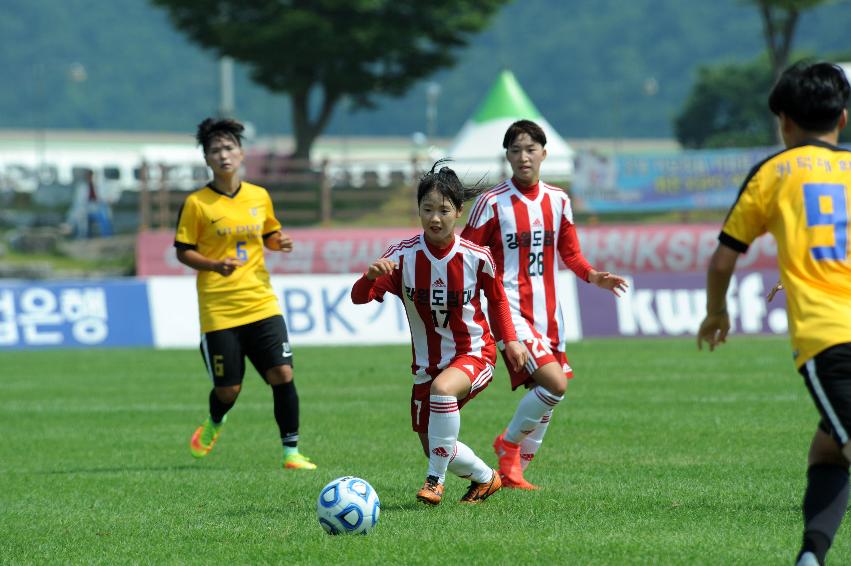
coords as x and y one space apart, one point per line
439 278
525 223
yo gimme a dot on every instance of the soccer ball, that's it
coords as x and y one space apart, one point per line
348 505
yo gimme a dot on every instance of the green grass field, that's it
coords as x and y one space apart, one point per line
658 455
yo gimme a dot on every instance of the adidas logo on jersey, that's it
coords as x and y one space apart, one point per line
537 223
439 283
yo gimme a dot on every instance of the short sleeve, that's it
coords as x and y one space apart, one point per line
746 220
270 224
187 224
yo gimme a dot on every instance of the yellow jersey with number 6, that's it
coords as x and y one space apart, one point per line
802 197
220 226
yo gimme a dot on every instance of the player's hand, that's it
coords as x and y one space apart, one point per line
280 242
517 354
774 291
380 267
609 281
227 266
713 330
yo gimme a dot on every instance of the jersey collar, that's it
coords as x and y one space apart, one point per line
819 143
523 196
427 249
215 190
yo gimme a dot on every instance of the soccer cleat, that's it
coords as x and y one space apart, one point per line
431 492
522 484
510 469
807 559
298 461
478 492
205 437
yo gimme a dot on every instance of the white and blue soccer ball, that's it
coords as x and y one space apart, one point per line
348 505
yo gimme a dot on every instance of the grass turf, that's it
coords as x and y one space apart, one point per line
659 454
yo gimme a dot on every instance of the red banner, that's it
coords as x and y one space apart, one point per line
621 249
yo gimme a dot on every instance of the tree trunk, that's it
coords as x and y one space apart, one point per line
778 26
306 130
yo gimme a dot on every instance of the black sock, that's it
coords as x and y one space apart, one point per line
286 412
825 502
218 409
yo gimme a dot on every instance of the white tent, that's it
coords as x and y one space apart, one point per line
477 149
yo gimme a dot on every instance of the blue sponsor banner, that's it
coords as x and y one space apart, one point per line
35 314
689 180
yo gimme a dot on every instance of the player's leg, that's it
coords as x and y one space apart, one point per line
225 365
267 346
532 442
444 424
546 382
828 378
464 463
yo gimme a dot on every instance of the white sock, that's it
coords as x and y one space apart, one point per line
529 446
532 408
465 464
444 422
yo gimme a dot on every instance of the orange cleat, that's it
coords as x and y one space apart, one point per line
431 492
478 492
522 484
510 469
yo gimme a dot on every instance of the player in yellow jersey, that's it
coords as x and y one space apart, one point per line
221 232
801 196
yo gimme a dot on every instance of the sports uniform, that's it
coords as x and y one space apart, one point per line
801 196
440 290
239 314
525 227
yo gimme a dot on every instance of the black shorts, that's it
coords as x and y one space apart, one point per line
828 377
264 342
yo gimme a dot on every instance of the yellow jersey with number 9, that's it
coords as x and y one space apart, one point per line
220 226
802 197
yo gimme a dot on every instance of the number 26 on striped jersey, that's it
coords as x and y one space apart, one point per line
826 205
536 263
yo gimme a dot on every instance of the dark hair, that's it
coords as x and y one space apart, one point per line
813 95
447 184
524 127
213 128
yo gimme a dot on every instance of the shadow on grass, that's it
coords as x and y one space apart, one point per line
407 506
114 470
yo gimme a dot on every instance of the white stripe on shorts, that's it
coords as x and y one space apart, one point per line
483 378
812 376
207 357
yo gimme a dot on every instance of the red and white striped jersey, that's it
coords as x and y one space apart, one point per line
524 230
441 296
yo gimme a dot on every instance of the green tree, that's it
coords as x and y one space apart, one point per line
727 107
779 21
320 51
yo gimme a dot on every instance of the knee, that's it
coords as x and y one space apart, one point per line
444 388
825 450
556 387
228 395
279 374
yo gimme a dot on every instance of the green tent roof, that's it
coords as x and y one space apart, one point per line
506 99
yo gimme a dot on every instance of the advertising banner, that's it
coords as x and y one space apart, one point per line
316 250
674 305
665 248
74 314
621 248
318 310
688 180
